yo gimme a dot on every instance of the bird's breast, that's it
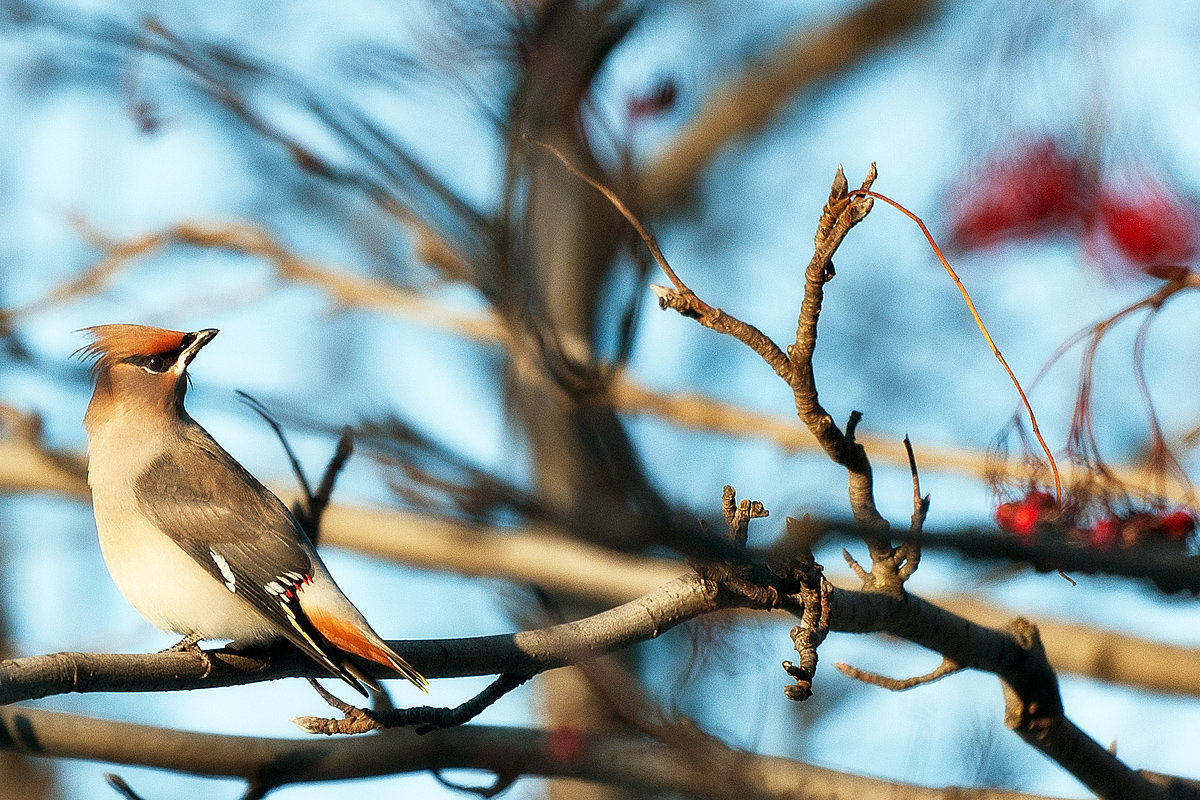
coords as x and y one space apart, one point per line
161 581
166 585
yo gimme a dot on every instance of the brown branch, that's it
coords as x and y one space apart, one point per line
910 551
549 557
1046 728
527 652
686 410
738 515
629 761
1015 655
321 498
840 215
749 102
842 212
947 667
688 304
424 718
816 611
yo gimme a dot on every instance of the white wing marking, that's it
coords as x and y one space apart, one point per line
226 572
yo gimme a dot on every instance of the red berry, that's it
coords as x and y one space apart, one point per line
1021 517
1033 190
1176 525
1103 535
1150 225
1004 515
1025 518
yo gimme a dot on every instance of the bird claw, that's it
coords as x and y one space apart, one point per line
188 644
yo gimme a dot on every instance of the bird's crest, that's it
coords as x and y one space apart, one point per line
113 343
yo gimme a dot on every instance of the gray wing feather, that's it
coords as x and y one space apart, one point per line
198 495
204 500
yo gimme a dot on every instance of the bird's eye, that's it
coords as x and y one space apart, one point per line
156 364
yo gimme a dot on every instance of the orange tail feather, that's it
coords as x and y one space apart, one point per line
350 638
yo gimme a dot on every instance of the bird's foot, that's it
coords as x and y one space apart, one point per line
188 644
185 645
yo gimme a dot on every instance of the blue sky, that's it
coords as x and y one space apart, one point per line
896 342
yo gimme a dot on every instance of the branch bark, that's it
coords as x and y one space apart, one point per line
547 557
1034 708
628 761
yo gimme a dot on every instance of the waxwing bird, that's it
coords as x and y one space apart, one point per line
193 541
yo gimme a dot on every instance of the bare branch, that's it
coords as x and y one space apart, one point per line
910 551
750 101
123 788
297 470
690 411
842 212
947 667
1015 655
424 718
630 761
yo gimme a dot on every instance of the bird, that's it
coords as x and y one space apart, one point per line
194 542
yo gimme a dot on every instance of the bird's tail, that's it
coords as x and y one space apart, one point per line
359 640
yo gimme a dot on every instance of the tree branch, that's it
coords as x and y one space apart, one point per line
373 294
630 761
1034 708
546 556
748 103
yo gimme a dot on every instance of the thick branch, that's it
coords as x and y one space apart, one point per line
551 559
750 101
628 761
527 652
1015 655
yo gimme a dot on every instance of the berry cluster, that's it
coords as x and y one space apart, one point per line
1023 517
1040 187
1112 532
1037 514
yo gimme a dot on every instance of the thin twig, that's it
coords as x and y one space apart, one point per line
982 328
947 667
620 206
118 783
319 501
911 550
426 718
297 470
503 782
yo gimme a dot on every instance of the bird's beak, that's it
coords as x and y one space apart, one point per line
200 339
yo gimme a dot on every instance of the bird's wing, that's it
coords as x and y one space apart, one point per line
239 532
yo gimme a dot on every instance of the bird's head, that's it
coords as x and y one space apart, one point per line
137 365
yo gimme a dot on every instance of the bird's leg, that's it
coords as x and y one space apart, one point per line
188 644
185 645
